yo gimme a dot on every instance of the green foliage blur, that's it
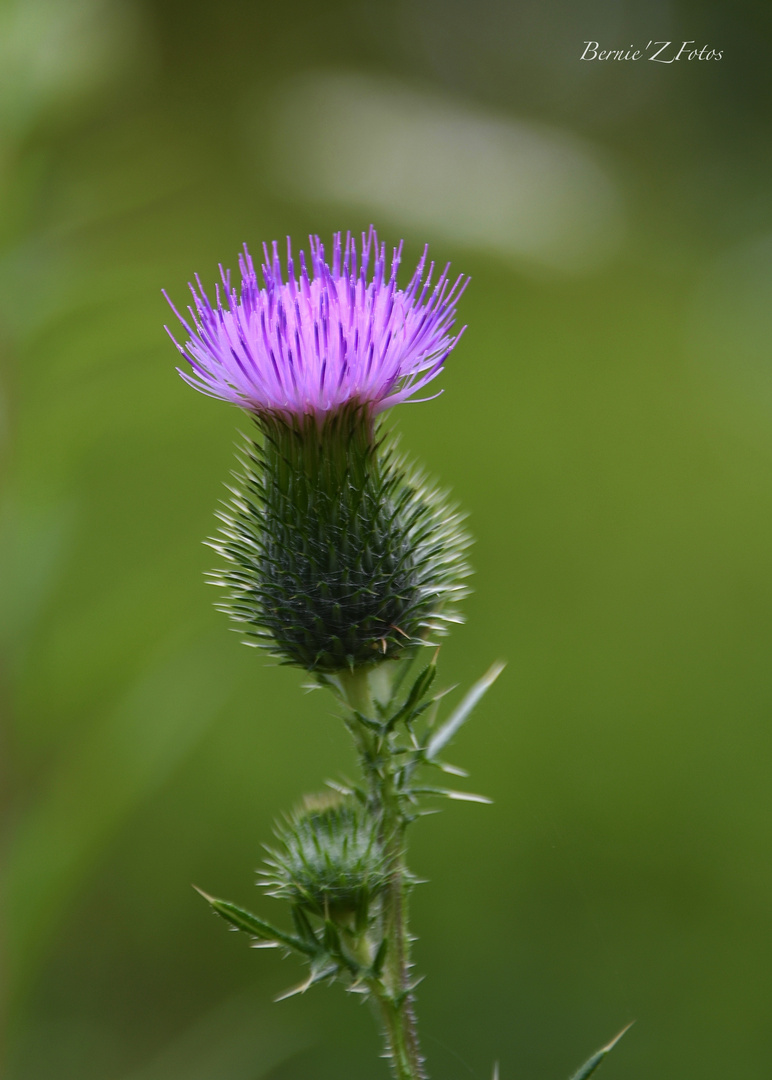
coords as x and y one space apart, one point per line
607 423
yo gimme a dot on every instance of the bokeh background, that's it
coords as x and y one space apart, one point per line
607 422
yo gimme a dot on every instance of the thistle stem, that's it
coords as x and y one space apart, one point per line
396 999
393 988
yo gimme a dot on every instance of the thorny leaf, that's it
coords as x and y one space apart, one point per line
445 733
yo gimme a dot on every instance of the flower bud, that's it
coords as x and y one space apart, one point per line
329 859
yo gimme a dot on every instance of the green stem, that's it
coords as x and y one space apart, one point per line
397 1004
393 988
355 685
401 1039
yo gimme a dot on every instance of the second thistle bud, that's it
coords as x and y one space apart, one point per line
328 860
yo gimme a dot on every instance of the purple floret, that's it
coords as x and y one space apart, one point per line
309 345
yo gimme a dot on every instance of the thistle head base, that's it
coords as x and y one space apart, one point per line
338 555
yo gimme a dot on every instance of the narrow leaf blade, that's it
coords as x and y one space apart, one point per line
419 688
457 796
590 1066
443 736
468 796
251 924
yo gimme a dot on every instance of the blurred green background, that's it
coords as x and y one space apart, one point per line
607 422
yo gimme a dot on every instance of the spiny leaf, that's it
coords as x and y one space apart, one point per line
590 1066
452 770
419 688
251 924
448 793
318 974
443 736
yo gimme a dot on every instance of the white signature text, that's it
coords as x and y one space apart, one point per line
661 52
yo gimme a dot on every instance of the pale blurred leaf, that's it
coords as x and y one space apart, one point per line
102 780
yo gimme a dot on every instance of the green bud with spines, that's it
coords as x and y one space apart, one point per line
329 860
338 553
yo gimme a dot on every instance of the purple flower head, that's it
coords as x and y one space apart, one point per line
308 345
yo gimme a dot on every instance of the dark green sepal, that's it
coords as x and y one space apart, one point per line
379 959
331 940
303 926
413 706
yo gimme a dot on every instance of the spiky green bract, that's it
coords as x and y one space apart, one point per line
338 554
590 1066
330 859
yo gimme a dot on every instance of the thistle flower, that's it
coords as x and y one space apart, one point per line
309 345
329 861
338 554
